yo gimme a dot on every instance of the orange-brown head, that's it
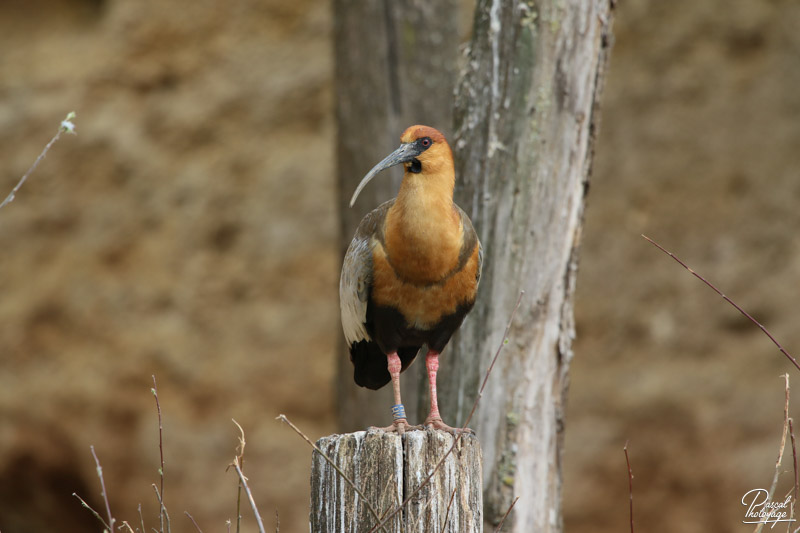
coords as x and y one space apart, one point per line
425 151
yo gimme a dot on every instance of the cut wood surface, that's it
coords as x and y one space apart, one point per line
387 468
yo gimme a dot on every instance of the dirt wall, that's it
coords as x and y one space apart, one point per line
188 231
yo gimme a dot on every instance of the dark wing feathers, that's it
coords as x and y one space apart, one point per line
356 278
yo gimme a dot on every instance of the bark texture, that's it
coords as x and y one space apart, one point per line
396 65
526 116
387 468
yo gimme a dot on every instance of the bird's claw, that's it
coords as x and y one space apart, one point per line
399 426
437 423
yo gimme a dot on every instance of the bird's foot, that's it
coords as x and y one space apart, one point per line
436 422
399 426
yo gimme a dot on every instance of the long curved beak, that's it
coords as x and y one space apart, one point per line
405 153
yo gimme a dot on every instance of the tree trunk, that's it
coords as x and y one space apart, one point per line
396 65
526 118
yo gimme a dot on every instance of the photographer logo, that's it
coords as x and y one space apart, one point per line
760 510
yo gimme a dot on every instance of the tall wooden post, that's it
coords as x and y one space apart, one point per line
387 469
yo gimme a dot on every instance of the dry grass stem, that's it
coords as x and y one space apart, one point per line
449 504
66 126
240 456
630 482
330 461
760 526
193 522
163 515
95 513
109 523
237 461
794 463
249 495
508 512
742 311
111 519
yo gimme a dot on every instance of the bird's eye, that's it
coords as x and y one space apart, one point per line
426 142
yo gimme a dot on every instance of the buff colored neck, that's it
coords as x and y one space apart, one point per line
423 229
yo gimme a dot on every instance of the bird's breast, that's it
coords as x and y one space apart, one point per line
423 305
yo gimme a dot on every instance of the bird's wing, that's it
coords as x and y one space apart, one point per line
355 283
468 246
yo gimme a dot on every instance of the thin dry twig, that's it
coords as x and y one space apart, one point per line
193 522
466 422
508 512
742 311
760 525
126 525
240 456
111 519
95 513
141 519
237 461
449 504
794 463
330 461
66 126
630 481
163 515
249 495
108 524
277 522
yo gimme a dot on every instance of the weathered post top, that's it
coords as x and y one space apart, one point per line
387 468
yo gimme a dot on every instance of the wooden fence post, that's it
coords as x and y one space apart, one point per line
387 468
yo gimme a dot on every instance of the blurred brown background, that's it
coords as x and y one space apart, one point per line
188 231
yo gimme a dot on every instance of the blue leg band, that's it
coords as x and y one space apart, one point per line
398 411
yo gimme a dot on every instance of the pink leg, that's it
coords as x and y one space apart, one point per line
400 423
434 418
432 364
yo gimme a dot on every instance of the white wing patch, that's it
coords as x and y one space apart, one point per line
354 289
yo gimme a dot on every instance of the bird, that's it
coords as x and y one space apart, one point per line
410 274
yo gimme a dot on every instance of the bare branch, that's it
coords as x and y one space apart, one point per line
330 461
95 513
508 512
249 495
141 519
111 519
449 504
794 462
66 126
240 456
193 522
163 515
237 462
630 481
760 525
742 311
